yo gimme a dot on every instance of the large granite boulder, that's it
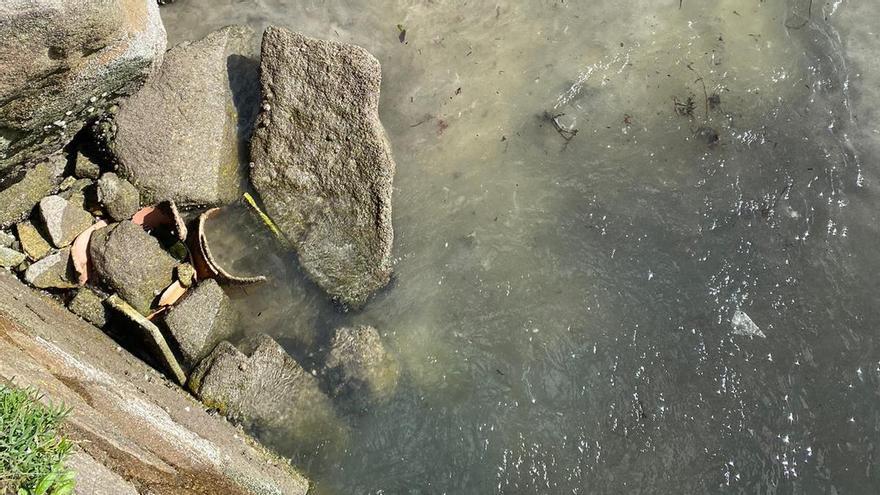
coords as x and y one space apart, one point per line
359 368
62 62
262 386
179 137
200 321
20 192
322 163
129 261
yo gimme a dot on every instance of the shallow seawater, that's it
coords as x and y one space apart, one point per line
591 199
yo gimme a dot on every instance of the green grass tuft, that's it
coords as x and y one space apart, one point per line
32 452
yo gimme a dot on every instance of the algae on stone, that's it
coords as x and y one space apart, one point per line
32 241
358 366
10 258
54 271
179 137
322 163
128 260
120 199
262 386
63 62
200 321
19 198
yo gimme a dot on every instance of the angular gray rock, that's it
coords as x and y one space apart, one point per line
262 385
178 138
54 271
121 200
359 367
19 195
202 319
63 62
10 258
322 163
6 239
89 306
128 260
32 241
151 336
63 220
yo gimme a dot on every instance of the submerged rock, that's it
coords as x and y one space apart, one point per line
63 61
322 163
32 241
64 220
261 385
202 319
121 200
359 367
18 198
128 260
89 306
10 258
151 335
52 272
178 138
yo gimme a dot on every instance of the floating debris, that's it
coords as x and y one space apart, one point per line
208 266
268 221
743 325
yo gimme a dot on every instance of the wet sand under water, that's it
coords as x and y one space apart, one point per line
589 197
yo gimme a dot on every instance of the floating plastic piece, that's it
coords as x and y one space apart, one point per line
743 325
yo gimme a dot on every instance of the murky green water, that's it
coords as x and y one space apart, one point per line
563 300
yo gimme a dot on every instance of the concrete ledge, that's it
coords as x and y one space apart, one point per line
132 426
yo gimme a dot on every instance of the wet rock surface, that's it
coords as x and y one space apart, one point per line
322 163
178 138
261 384
120 199
358 366
199 321
54 271
64 61
128 260
63 220
19 195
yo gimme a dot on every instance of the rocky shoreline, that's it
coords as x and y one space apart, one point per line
114 154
